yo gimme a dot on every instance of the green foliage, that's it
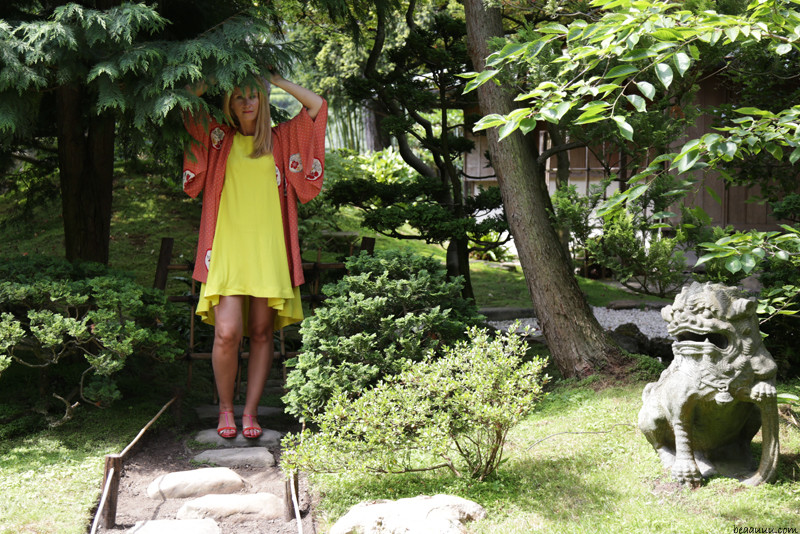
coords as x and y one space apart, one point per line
615 68
54 312
745 251
119 55
572 212
390 309
775 256
458 405
642 261
385 166
394 198
645 368
26 185
787 208
486 248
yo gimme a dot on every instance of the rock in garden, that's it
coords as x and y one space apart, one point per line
174 526
195 483
261 505
630 338
269 438
251 456
440 514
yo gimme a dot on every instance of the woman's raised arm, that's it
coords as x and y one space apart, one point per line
310 100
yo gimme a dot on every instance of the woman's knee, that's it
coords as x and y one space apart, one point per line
227 333
260 333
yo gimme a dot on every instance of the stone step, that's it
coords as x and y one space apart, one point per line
269 438
195 483
256 505
251 456
175 526
211 411
442 514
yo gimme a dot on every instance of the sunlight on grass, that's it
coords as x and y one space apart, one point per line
496 286
50 480
46 487
605 479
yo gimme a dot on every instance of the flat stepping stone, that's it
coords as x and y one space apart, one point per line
195 483
255 505
440 514
211 411
269 438
174 526
251 456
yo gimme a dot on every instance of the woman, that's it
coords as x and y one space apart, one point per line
253 176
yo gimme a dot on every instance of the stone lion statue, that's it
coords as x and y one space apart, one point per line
719 390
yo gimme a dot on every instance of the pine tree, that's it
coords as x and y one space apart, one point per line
77 71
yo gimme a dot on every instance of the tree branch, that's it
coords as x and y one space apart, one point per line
377 46
556 149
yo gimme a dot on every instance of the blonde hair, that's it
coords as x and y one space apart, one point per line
262 138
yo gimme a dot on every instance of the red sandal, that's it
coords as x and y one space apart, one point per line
227 431
253 430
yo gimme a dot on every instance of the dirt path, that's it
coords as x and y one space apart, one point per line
162 452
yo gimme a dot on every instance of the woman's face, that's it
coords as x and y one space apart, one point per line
244 106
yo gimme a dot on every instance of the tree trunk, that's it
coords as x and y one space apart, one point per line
457 262
577 342
86 168
376 138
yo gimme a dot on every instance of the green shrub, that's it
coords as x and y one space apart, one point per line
451 412
53 312
486 248
775 257
388 310
573 213
643 261
645 368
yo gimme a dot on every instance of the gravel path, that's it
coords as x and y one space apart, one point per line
649 322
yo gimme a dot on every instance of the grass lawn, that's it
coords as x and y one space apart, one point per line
579 464
497 286
50 478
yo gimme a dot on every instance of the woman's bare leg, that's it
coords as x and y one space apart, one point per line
262 349
225 354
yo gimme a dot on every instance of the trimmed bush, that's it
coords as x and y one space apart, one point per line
53 312
451 412
390 309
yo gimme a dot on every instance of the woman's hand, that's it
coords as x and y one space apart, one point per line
197 88
274 77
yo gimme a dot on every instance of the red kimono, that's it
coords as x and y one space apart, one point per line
298 146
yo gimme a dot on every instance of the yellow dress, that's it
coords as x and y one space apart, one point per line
248 256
